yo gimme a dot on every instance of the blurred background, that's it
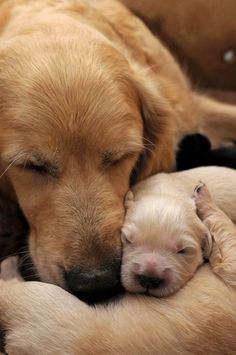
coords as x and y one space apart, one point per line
201 34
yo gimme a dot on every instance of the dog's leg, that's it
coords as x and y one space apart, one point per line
223 231
217 119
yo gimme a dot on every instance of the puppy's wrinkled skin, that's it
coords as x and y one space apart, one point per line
164 240
223 232
88 99
42 318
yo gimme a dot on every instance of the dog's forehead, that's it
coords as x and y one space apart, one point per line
69 99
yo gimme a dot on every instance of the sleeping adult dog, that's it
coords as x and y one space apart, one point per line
89 100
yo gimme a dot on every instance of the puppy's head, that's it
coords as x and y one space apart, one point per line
74 123
163 240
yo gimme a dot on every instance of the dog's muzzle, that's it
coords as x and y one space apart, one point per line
94 284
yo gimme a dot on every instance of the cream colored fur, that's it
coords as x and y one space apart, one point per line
88 96
44 319
223 232
163 237
201 318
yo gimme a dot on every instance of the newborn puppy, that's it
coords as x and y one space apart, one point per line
164 241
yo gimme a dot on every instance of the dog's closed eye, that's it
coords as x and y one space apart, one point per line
110 158
34 162
40 169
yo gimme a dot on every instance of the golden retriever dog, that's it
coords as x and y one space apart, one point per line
40 318
89 101
164 240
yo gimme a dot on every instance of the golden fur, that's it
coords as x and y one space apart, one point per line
87 96
199 319
200 33
43 318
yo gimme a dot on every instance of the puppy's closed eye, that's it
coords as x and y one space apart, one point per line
185 251
182 251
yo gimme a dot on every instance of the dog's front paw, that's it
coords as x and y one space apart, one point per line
9 275
38 318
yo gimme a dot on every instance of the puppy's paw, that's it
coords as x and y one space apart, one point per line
199 189
9 269
227 274
205 205
223 263
223 256
129 199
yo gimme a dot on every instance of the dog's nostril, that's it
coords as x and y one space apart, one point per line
149 281
92 281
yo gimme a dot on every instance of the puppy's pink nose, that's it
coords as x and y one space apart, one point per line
150 267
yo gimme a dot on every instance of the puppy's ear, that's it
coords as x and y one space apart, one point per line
159 133
126 236
207 244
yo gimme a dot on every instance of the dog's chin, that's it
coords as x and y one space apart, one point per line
103 296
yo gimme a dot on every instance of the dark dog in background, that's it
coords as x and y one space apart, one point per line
195 150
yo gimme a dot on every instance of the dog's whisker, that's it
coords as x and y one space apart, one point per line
8 167
144 70
148 141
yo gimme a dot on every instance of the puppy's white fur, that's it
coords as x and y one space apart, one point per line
163 237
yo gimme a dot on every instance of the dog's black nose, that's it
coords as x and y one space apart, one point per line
92 283
149 281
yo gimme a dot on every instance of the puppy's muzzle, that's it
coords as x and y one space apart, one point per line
149 281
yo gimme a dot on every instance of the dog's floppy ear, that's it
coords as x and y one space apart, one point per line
159 130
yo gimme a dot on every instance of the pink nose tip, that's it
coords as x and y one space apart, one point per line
150 267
